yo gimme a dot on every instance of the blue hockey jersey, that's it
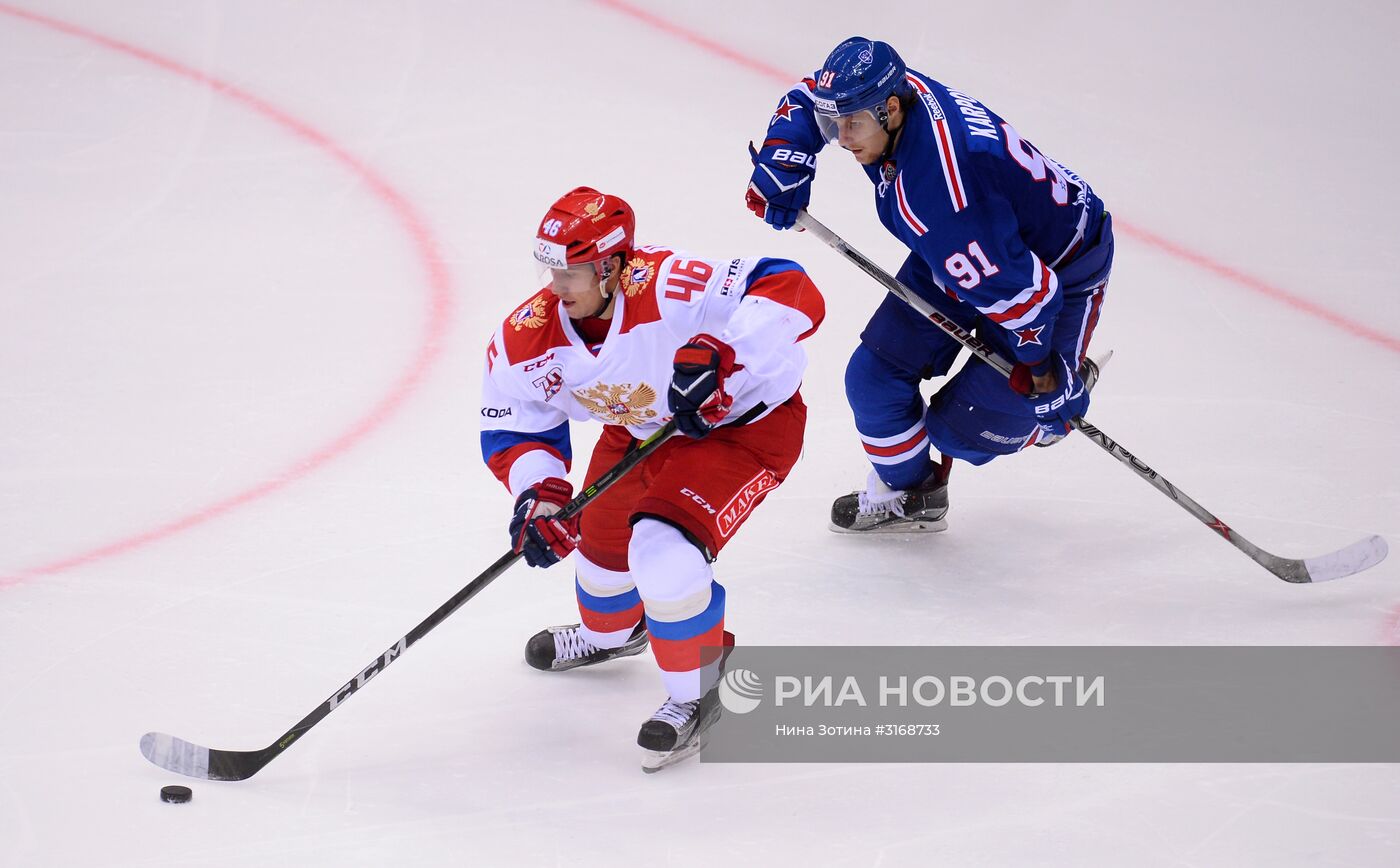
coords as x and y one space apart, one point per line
991 215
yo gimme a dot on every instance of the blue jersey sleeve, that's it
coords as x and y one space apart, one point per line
793 122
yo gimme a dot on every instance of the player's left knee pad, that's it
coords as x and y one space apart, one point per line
672 575
684 605
884 400
876 388
889 416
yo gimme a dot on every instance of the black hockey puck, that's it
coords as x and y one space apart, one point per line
175 794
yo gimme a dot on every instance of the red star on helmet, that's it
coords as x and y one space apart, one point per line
785 110
1028 336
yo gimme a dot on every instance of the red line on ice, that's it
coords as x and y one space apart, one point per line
1264 288
429 348
1233 275
685 34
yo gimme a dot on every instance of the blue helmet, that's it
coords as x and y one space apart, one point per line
859 74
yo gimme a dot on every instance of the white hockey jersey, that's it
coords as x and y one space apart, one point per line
540 373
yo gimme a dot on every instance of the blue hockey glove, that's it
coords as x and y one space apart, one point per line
781 184
535 532
1054 407
697 398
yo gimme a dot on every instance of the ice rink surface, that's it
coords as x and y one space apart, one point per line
251 253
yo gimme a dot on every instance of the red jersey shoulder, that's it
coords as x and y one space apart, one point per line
533 328
638 286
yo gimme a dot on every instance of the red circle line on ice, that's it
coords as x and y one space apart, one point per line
426 354
1171 248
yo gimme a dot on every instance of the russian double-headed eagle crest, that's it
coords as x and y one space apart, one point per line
637 275
530 315
623 404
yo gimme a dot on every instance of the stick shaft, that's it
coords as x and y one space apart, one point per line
187 758
1290 570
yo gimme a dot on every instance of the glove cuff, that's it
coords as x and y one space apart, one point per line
707 350
551 490
1044 366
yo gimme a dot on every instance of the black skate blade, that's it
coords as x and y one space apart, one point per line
918 526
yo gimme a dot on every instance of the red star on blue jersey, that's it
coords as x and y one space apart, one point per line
1028 336
785 110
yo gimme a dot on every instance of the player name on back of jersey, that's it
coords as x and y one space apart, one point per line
979 122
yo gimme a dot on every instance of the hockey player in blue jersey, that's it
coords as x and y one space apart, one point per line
1003 239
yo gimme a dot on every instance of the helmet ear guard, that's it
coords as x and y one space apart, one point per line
605 270
905 95
605 267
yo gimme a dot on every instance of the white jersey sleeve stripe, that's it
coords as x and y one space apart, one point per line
910 218
1039 297
1019 298
1027 304
1086 325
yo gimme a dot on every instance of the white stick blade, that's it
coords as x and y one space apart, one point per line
176 755
1360 555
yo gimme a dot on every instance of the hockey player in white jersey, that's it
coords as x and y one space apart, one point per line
633 336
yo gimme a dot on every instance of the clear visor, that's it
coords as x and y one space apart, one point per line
552 265
841 129
574 279
553 269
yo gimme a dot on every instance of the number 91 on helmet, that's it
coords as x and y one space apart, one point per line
854 86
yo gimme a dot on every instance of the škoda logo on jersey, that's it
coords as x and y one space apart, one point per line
739 506
531 315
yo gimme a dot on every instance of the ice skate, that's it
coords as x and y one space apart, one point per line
677 731
881 509
556 649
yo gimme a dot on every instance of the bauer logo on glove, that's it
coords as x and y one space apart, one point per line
780 185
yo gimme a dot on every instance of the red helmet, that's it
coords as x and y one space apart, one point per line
584 226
